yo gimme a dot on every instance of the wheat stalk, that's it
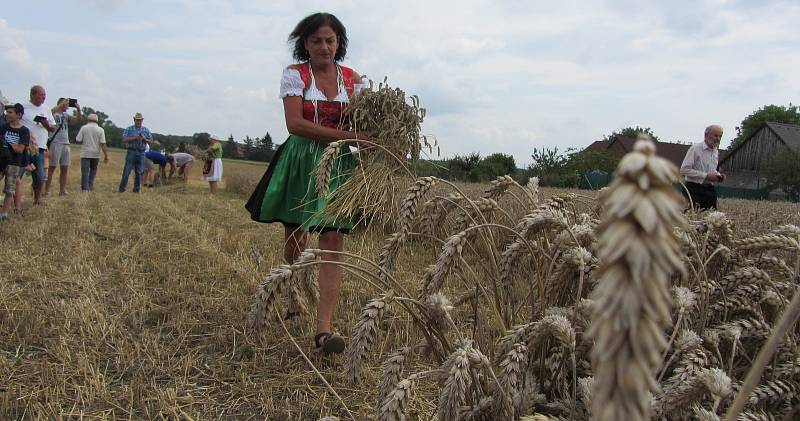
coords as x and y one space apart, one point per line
365 332
509 386
408 207
325 166
766 242
454 393
278 282
392 374
639 253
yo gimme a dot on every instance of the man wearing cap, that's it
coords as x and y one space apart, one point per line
39 121
17 137
134 138
59 145
93 140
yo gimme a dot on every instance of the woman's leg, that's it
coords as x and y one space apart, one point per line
330 279
295 242
212 186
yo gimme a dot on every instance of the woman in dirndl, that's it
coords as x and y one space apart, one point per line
315 93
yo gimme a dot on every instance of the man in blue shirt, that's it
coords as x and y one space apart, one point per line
134 138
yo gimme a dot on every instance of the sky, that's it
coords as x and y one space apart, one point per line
494 76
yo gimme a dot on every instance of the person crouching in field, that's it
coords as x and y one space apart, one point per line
155 158
183 161
213 171
17 138
93 139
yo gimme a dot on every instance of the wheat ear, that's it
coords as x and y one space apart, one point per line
506 394
278 282
454 393
639 253
325 166
364 334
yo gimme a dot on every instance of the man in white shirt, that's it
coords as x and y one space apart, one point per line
40 122
93 138
699 170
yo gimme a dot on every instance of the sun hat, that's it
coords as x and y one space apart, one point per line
215 137
138 116
92 117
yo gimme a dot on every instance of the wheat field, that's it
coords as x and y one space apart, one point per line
124 306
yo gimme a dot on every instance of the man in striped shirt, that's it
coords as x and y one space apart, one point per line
699 170
134 139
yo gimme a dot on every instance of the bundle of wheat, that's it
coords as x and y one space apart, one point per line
383 169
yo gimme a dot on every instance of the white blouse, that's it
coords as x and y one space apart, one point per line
292 85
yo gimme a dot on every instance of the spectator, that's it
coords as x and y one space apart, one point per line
40 123
93 140
14 134
699 170
135 138
213 172
184 162
58 146
4 101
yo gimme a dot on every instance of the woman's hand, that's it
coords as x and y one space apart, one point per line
362 135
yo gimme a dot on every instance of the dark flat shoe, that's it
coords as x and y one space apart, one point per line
330 343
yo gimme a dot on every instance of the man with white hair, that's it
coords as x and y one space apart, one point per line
40 122
93 140
699 170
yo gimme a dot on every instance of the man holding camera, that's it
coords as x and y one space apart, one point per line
39 121
699 170
59 143
134 138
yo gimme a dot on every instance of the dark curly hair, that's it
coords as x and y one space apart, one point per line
311 24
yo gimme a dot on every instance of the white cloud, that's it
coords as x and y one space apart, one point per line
495 76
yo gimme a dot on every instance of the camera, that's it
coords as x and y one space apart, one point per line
73 102
39 119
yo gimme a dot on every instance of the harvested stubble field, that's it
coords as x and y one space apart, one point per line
123 306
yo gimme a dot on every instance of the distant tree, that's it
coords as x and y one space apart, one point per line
201 140
783 172
230 149
113 133
581 162
262 149
773 113
249 146
548 165
459 167
632 132
494 165
266 142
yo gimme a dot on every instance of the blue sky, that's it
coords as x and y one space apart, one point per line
495 76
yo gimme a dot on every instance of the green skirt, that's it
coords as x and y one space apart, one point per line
287 192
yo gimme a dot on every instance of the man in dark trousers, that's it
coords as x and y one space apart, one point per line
699 170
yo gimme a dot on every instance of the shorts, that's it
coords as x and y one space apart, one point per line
11 174
59 155
147 165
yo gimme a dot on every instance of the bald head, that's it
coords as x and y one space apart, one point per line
38 95
713 135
